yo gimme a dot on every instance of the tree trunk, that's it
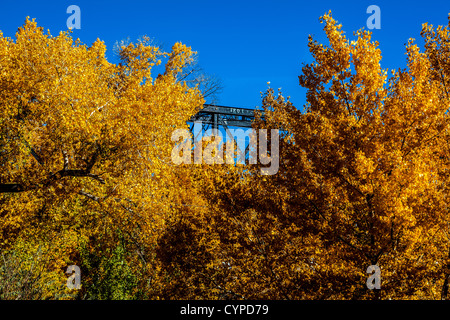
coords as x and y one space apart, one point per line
444 292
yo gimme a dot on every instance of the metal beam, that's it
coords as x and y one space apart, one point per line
215 116
221 115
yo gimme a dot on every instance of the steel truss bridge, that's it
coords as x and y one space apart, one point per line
213 116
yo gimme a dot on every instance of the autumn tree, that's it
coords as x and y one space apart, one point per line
87 176
86 144
209 85
362 180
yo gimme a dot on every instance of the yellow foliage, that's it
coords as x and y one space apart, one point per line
363 177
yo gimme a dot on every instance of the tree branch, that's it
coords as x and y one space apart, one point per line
90 196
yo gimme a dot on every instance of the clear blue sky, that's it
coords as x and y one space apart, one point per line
244 43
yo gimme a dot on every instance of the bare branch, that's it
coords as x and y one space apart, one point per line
90 196
66 160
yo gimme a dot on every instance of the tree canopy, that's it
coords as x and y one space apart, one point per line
87 177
